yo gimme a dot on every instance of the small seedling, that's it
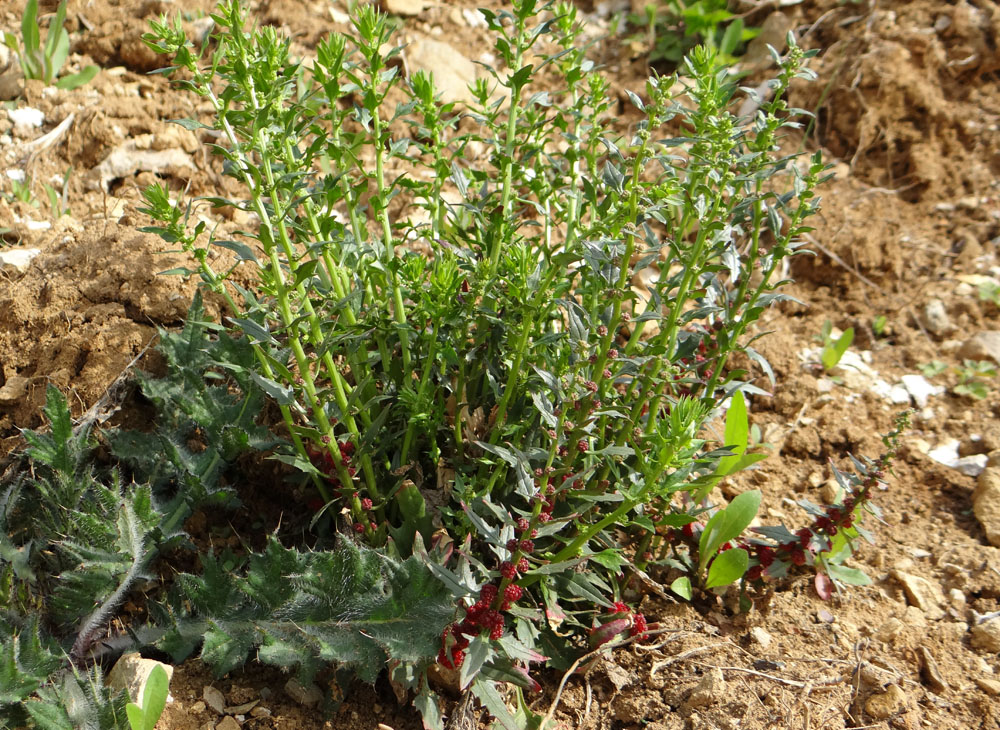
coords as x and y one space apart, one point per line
989 291
879 325
971 374
45 62
57 198
673 28
834 349
154 699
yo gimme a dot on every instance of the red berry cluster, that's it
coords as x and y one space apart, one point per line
480 616
323 460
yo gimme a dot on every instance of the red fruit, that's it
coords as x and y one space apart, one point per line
619 607
523 524
513 593
606 374
507 570
755 572
527 546
496 632
457 658
443 660
512 544
359 528
804 535
489 592
544 517
612 354
798 556
523 565
765 555
639 625
582 446
688 530
726 546
366 503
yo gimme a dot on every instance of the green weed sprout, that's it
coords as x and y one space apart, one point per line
834 349
154 699
45 62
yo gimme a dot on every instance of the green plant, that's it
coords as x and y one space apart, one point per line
57 198
674 27
989 291
45 62
879 325
833 348
971 376
508 428
154 699
21 190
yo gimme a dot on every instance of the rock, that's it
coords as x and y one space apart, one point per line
986 504
214 699
920 389
957 598
936 319
986 636
131 672
404 7
921 593
947 454
989 686
228 723
982 346
14 389
242 709
761 637
307 695
25 120
199 29
452 71
889 631
17 260
930 672
884 705
708 691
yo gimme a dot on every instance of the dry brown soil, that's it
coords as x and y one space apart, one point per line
908 108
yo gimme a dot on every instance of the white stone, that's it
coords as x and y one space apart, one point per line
474 18
947 454
18 259
920 388
17 175
25 119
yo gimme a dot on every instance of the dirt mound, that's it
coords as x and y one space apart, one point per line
86 307
907 96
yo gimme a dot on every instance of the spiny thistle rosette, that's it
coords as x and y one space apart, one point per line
496 369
